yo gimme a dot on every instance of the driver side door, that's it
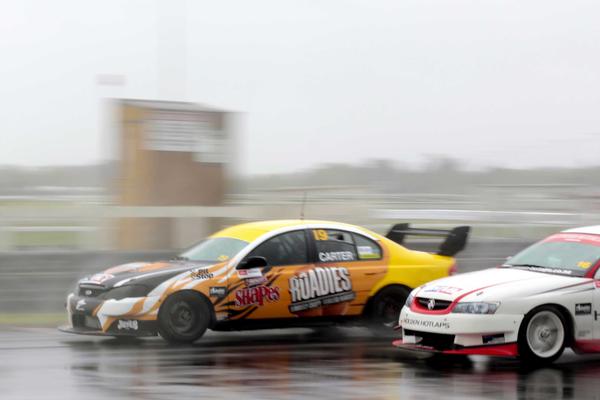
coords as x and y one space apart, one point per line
262 293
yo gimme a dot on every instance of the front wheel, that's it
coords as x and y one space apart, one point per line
385 309
183 318
542 335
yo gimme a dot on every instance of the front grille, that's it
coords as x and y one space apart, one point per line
78 320
91 291
83 321
437 341
437 304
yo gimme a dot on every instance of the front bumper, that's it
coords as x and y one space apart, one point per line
497 350
110 333
126 317
451 333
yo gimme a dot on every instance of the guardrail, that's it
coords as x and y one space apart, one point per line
495 211
91 227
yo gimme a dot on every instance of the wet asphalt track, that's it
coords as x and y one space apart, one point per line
335 363
348 363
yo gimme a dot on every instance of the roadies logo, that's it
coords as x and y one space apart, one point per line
257 295
320 287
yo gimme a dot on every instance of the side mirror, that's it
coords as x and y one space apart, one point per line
252 262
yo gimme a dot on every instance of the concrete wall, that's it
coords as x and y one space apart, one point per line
39 282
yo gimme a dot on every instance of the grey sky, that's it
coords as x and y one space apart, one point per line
511 83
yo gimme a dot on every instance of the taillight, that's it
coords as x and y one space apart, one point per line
453 270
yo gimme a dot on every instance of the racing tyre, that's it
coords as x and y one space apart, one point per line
542 336
183 318
385 309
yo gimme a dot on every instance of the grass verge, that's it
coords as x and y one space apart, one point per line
33 319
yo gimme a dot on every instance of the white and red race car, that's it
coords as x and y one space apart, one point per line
537 303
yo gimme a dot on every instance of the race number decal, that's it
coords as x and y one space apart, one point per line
320 234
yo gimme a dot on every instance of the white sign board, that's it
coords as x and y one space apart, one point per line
190 132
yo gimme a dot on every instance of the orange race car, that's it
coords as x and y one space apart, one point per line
263 275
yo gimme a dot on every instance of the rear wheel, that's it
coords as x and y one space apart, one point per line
542 335
183 318
385 309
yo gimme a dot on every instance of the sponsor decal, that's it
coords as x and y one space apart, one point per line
574 237
127 324
249 273
333 256
80 306
201 273
256 296
129 267
320 287
426 323
365 252
251 282
450 290
550 270
584 333
217 291
584 264
100 278
583 308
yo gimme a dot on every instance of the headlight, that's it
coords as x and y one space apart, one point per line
409 300
123 292
476 308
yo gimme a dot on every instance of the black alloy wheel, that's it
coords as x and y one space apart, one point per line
183 317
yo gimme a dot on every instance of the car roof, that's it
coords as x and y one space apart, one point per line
594 230
252 230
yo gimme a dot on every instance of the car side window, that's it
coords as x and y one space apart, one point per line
285 249
367 249
334 246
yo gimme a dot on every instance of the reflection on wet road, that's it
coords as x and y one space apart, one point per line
338 363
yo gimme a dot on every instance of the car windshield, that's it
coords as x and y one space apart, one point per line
214 249
561 256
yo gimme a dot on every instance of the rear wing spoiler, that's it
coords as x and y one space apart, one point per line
456 239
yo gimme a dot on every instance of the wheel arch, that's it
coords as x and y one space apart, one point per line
367 310
569 329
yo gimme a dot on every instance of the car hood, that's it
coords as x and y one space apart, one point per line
497 284
149 274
